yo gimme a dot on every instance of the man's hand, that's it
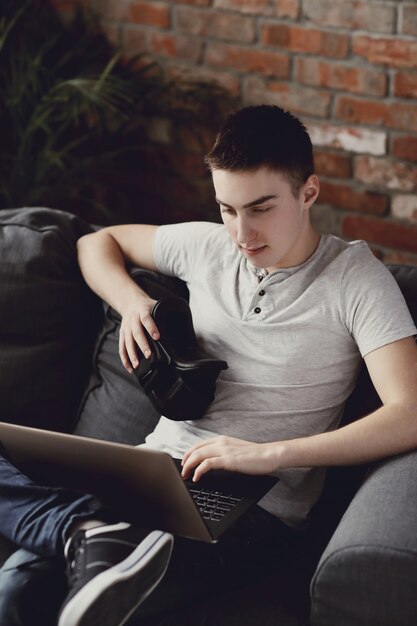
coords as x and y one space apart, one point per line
135 318
231 454
103 258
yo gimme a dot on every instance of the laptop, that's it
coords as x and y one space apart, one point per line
144 486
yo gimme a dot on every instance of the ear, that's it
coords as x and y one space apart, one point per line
310 191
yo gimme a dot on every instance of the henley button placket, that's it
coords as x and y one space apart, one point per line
262 292
257 310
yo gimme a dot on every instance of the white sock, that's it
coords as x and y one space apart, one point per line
86 524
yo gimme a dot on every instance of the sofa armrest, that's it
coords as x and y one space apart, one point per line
366 575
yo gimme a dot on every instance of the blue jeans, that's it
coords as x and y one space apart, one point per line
37 519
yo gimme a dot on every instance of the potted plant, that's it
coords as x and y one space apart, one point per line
72 110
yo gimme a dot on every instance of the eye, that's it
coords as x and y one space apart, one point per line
226 210
261 210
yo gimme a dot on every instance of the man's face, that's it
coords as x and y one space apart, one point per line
269 225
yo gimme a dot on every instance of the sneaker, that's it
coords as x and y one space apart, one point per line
111 570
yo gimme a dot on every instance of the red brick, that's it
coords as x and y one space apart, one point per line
269 8
226 80
150 14
360 111
409 21
382 232
307 40
401 258
181 47
301 99
405 148
351 14
111 9
386 173
332 164
387 50
402 115
288 95
135 40
287 8
244 6
199 3
260 7
248 59
334 75
229 26
344 197
405 84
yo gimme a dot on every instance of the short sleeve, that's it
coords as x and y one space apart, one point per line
374 310
182 250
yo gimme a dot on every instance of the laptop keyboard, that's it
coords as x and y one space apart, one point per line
214 505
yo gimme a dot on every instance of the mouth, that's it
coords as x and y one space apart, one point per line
252 251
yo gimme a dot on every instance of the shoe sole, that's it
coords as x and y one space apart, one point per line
110 598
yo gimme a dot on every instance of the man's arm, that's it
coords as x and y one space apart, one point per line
389 430
103 257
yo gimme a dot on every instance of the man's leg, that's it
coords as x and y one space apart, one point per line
112 569
37 517
253 548
32 589
106 557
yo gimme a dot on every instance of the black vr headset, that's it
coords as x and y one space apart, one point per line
177 378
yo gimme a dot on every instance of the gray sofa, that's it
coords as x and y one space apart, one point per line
59 369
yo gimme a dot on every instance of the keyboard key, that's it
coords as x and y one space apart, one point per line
213 504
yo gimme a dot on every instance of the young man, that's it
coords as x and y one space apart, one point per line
293 313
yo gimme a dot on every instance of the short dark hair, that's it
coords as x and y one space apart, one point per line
264 135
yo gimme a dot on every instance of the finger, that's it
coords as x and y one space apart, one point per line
149 323
130 345
198 456
189 465
197 446
124 357
206 466
141 341
188 468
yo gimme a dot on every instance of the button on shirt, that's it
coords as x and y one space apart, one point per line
260 302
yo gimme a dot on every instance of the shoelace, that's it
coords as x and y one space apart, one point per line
76 561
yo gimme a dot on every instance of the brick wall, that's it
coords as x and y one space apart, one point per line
348 68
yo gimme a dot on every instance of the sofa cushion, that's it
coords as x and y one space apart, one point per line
115 406
48 318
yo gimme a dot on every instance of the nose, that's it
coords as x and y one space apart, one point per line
245 233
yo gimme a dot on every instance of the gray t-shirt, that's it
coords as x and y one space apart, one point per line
293 343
